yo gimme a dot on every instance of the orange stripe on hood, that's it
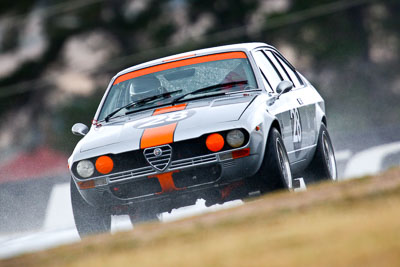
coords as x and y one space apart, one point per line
158 136
169 109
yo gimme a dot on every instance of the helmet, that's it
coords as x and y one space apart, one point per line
143 86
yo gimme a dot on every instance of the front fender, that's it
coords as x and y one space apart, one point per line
259 121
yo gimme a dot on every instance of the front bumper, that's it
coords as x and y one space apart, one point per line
193 178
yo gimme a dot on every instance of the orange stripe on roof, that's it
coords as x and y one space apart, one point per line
158 136
180 63
169 109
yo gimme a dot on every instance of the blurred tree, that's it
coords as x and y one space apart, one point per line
227 14
16 7
342 40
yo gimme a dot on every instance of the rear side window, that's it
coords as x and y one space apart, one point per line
293 76
272 77
278 66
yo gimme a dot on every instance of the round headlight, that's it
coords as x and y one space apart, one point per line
85 168
235 138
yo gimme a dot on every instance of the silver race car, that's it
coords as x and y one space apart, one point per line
220 124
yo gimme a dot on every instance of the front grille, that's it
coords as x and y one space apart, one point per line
197 176
131 173
137 188
158 157
146 186
193 161
176 164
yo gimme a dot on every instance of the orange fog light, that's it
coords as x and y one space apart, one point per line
104 164
215 142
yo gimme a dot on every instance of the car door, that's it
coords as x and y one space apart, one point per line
290 109
281 108
302 111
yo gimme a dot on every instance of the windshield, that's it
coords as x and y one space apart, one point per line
183 76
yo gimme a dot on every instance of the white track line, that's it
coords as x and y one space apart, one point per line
343 155
59 209
37 241
369 161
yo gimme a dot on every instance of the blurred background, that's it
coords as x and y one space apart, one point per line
57 57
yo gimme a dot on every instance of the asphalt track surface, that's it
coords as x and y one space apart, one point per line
358 159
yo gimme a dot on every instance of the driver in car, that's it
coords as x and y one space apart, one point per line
145 86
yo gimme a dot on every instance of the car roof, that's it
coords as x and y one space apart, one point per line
200 52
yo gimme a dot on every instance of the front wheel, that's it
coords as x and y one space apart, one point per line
88 220
323 165
275 170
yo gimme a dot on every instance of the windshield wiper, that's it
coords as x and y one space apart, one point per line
140 102
209 88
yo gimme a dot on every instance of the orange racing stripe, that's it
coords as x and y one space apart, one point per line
166 182
169 109
158 136
180 63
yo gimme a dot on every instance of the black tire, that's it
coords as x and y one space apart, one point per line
275 172
88 220
323 164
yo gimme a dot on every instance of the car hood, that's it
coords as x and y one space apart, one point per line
191 120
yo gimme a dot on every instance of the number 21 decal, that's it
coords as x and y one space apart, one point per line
296 125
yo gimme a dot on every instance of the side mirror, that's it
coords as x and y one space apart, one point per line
284 87
80 129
